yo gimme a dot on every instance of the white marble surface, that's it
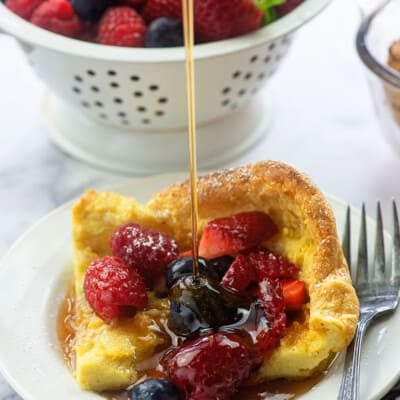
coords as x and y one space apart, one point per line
325 125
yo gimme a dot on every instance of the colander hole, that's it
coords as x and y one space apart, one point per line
95 89
261 76
138 94
236 74
233 106
248 76
114 85
103 116
90 72
135 78
267 59
76 90
85 104
226 90
272 46
145 121
162 100
153 88
122 114
118 100
125 122
225 102
111 72
242 92
98 103
142 109
159 113
78 78
254 59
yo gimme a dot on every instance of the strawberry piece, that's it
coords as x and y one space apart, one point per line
112 288
287 6
23 8
270 265
154 9
210 367
121 26
294 294
254 265
239 232
57 16
240 275
186 253
271 297
144 249
222 19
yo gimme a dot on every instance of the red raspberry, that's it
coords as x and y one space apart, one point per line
146 250
210 367
57 16
112 288
23 8
121 26
154 9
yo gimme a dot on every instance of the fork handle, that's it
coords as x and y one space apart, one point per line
350 386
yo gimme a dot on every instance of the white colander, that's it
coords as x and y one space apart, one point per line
125 108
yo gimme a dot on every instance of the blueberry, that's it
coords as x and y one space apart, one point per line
184 266
155 389
221 264
164 32
200 305
89 10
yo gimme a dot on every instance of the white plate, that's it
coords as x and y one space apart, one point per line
34 275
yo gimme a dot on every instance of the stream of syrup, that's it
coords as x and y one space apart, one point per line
188 30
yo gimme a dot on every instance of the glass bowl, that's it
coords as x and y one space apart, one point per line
375 36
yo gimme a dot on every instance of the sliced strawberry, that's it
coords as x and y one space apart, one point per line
209 367
253 266
240 275
270 265
271 297
229 235
294 294
186 253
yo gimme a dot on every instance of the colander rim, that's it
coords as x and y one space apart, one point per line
384 72
34 36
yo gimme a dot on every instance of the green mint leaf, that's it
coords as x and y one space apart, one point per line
264 5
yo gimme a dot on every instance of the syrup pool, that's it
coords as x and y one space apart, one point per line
275 390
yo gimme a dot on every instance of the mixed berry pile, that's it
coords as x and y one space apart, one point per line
149 23
227 319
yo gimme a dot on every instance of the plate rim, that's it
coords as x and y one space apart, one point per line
119 186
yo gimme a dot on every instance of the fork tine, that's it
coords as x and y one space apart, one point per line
346 244
362 259
379 257
395 276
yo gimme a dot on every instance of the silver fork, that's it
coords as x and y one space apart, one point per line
377 289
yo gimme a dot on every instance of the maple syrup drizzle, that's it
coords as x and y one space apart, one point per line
188 30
